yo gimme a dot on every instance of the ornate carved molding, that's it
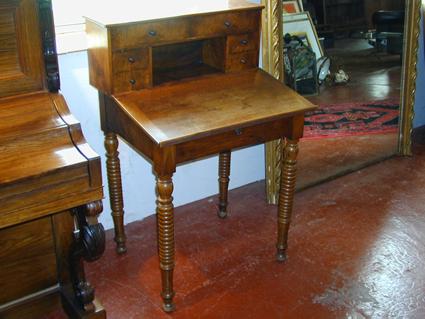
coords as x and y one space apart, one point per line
89 244
273 64
47 29
408 86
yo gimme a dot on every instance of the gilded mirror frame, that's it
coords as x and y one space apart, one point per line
272 34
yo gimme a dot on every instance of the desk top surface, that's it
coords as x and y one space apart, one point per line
190 109
128 11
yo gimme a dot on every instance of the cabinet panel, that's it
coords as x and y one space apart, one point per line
27 259
21 59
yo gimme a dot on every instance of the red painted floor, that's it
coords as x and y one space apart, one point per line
357 248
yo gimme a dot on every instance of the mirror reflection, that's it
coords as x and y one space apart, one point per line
346 57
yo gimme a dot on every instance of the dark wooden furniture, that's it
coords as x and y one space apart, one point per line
346 15
182 86
50 181
372 6
341 15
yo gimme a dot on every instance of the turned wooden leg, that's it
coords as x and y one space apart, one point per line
165 220
115 189
286 195
223 181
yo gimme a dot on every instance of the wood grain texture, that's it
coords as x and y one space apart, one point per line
55 164
99 57
28 257
286 195
133 59
47 168
244 42
165 217
207 96
34 308
151 43
115 189
21 55
223 182
233 101
240 137
242 61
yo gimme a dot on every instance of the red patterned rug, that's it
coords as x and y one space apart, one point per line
352 119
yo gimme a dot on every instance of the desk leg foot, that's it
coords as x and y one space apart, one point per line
286 196
115 189
281 255
223 180
165 220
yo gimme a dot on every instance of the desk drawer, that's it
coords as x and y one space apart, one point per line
184 28
243 42
242 61
131 80
220 24
235 138
125 60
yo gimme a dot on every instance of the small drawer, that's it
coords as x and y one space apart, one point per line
243 42
220 24
149 33
131 81
242 61
126 60
184 28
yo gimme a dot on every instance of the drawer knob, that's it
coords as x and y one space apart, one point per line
132 81
131 60
243 61
152 33
227 24
238 131
244 42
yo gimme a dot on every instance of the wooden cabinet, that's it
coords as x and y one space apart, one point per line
351 14
148 53
371 6
50 179
340 14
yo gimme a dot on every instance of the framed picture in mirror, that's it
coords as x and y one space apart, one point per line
290 7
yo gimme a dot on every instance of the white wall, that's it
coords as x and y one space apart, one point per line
191 182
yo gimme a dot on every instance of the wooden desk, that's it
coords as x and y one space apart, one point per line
50 180
182 87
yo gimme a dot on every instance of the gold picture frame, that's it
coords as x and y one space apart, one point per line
272 63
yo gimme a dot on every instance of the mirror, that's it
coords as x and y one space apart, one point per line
379 77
